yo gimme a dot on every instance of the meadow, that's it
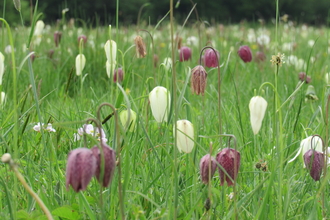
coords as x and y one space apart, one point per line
153 178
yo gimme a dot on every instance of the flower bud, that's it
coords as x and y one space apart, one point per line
118 74
80 63
109 163
198 80
6 158
57 38
167 64
245 54
314 161
185 136
211 59
80 168
229 160
128 120
185 54
140 47
160 100
257 108
2 66
207 167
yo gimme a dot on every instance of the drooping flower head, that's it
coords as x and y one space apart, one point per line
80 169
229 159
160 100
257 106
303 77
314 162
211 59
80 63
118 75
245 53
207 167
185 135
109 163
140 47
314 143
82 38
198 80
185 54
57 38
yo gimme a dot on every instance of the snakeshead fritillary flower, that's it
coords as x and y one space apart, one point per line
140 47
2 98
198 80
80 63
109 163
314 143
185 136
207 167
245 53
80 168
118 74
211 59
185 54
230 160
314 161
257 108
110 49
160 101
2 66
57 38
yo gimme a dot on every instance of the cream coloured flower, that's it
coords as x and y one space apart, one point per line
185 135
160 100
257 108
308 144
80 63
2 66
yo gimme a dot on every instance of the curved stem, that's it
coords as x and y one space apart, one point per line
117 145
219 85
153 53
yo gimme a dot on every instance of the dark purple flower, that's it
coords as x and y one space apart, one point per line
198 80
185 54
245 54
118 74
211 59
229 160
207 167
80 168
57 38
314 162
109 163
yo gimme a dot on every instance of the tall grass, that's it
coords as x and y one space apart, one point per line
158 182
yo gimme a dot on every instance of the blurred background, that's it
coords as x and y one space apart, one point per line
103 12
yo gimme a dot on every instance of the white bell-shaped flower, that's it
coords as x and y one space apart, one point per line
80 63
185 135
160 100
2 66
110 48
39 28
307 144
257 108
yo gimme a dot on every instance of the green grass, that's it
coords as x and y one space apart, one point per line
149 158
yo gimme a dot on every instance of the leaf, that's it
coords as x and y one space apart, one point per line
17 4
22 214
66 212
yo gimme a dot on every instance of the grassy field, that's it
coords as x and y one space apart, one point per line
153 179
